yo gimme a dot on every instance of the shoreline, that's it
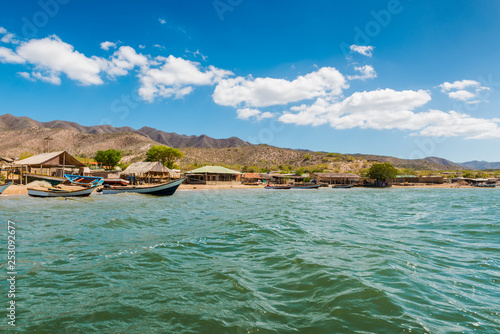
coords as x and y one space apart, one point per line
22 190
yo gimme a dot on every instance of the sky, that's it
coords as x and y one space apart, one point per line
403 78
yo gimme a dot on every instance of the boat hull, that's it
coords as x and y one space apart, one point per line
312 186
342 187
53 180
277 187
165 189
4 186
60 193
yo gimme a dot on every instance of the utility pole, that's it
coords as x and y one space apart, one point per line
48 139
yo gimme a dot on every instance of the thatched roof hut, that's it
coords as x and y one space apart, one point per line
149 169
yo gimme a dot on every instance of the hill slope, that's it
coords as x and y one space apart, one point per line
12 123
478 165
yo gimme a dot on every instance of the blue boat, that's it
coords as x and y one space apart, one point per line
88 181
4 186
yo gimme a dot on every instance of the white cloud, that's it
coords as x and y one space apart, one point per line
367 72
389 109
175 77
47 77
454 124
379 109
54 56
461 90
162 21
122 60
362 49
9 38
159 46
142 46
9 56
461 95
446 87
262 92
106 45
249 113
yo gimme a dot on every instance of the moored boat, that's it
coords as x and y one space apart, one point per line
277 187
88 181
306 186
72 191
53 180
164 189
4 186
345 186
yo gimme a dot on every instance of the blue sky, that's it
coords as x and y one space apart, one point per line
403 78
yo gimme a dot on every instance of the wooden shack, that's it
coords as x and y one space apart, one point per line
48 167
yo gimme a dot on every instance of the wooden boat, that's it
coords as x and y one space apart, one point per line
53 180
4 186
345 186
88 181
277 187
164 189
115 182
61 191
306 186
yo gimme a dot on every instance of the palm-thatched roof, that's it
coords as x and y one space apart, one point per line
144 168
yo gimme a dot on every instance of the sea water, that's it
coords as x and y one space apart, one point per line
256 261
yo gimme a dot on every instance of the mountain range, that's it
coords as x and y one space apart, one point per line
12 123
23 134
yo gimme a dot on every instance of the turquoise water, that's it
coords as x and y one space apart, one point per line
257 261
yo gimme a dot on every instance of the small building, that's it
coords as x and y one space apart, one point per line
212 175
150 172
255 178
336 178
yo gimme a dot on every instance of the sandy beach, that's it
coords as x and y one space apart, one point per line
19 190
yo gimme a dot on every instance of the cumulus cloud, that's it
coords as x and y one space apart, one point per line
55 56
7 37
379 109
366 72
175 76
262 92
47 77
106 45
362 49
463 90
458 85
249 113
390 109
122 61
9 56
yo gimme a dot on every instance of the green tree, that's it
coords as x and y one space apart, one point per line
382 172
109 158
166 155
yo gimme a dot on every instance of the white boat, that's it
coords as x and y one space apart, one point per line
4 186
61 192
164 189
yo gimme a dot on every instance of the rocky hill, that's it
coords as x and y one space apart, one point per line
430 163
12 123
480 165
